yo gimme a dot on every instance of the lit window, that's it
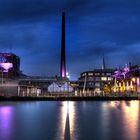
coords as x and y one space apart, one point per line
104 78
84 74
90 74
109 78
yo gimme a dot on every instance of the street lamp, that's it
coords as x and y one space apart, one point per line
67 75
84 84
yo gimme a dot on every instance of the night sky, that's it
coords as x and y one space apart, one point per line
32 30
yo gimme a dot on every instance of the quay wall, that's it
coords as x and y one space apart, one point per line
95 98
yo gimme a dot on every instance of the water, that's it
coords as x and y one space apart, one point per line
50 120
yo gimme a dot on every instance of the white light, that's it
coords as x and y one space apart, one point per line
67 74
103 78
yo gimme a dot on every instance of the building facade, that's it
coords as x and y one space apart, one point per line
40 86
127 80
92 82
35 86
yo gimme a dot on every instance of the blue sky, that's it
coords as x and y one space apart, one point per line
32 30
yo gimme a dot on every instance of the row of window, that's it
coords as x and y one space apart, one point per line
96 74
96 84
100 78
106 78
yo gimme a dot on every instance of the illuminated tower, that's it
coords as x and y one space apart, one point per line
63 49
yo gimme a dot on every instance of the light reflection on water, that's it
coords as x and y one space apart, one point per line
106 120
67 115
120 120
6 122
131 119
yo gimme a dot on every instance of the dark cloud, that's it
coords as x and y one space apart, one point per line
32 10
28 10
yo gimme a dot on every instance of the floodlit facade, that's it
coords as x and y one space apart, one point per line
127 79
9 65
60 87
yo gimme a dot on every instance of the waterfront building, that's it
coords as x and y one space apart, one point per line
127 80
35 86
92 82
9 87
9 65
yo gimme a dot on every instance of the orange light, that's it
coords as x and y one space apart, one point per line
133 79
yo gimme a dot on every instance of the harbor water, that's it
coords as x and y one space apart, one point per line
70 120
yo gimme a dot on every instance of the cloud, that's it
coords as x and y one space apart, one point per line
33 10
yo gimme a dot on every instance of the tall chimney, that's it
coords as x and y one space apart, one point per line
63 49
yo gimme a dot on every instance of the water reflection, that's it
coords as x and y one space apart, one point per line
106 120
123 117
67 128
6 113
131 118
67 120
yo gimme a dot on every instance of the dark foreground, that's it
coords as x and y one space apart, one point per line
73 98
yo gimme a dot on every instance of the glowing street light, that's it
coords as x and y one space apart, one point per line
67 75
133 79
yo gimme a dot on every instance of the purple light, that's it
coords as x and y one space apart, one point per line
122 74
126 69
6 66
138 81
5 110
6 114
63 73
